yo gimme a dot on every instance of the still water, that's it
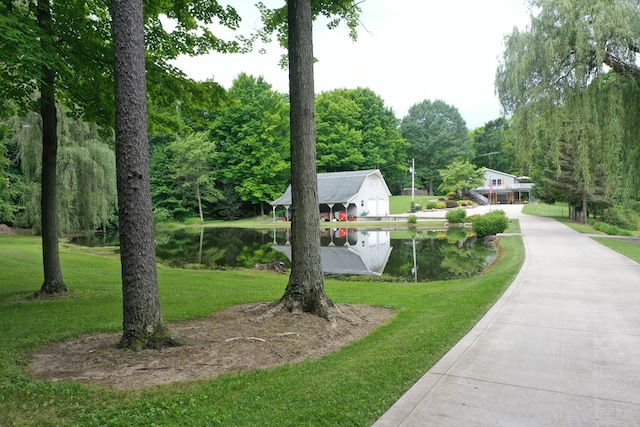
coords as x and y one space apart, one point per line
396 255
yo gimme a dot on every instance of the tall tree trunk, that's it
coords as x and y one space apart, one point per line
199 202
143 326
305 290
53 282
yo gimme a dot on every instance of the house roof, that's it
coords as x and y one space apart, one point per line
493 171
335 187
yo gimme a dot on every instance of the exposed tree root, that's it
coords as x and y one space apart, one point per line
55 287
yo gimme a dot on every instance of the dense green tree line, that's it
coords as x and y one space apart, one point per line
230 163
241 162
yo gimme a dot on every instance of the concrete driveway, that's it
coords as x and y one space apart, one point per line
560 348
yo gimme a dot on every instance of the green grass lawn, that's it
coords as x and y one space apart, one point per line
628 249
402 204
350 387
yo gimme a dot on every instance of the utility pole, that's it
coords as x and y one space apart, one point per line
412 169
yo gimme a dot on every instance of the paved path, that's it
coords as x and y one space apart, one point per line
560 348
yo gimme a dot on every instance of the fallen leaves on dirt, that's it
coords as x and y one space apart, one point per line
229 341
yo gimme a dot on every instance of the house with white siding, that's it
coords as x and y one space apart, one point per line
502 188
346 195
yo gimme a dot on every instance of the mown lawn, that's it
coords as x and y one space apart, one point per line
351 387
402 204
626 248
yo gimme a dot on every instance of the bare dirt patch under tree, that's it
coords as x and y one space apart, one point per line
231 340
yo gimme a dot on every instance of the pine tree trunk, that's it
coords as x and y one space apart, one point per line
53 282
305 290
143 326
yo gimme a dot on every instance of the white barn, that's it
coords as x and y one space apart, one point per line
346 195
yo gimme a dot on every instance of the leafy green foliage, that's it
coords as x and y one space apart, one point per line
456 216
610 229
490 223
86 173
355 131
623 216
253 141
437 134
275 20
460 176
193 163
572 83
169 199
493 147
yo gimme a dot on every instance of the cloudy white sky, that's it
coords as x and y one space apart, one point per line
407 51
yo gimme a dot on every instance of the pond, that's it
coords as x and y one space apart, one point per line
408 255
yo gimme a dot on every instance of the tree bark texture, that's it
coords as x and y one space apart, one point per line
53 282
305 289
143 326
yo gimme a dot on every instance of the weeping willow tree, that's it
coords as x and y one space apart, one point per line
86 179
571 82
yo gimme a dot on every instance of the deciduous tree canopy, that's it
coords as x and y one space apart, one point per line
437 134
356 131
253 141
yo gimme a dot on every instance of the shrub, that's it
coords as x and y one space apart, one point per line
490 224
441 205
456 216
451 195
431 205
612 230
472 218
412 219
622 216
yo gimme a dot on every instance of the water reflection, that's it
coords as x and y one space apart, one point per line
407 255
350 251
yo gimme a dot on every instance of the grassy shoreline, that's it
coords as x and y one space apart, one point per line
353 386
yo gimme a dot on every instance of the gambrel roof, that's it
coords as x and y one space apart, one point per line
336 187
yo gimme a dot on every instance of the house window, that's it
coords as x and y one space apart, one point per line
497 182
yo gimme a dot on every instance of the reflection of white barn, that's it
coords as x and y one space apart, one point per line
347 195
362 252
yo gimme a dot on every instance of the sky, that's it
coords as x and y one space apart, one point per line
407 51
